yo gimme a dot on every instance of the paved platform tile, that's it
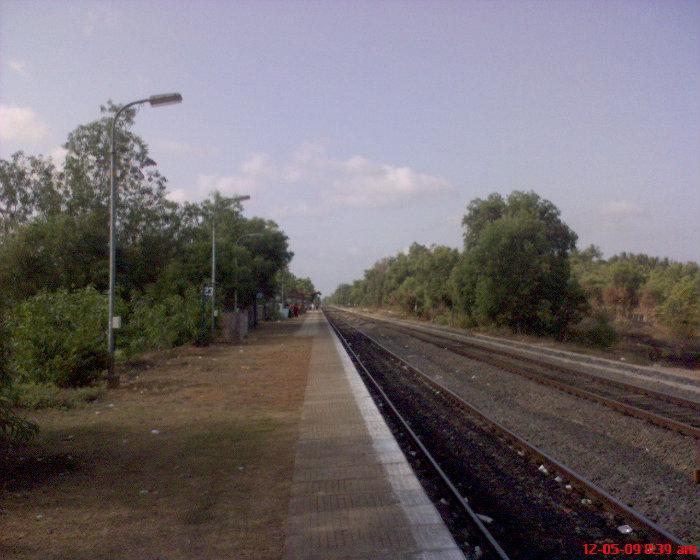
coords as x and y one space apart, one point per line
354 496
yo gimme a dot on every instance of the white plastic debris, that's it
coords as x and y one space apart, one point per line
241 468
443 501
543 469
111 405
558 478
477 553
521 453
625 529
143 491
586 501
39 515
155 432
568 487
485 518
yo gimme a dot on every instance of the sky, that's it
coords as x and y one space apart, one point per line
360 127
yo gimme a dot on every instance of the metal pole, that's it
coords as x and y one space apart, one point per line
213 272
235 278
112 379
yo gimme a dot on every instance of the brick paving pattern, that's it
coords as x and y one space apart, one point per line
354 495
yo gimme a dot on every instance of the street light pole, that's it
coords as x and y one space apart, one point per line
213 273
155 101
235 266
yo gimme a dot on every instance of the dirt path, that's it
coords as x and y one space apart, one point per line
191 458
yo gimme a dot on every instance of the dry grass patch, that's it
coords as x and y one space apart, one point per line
191 458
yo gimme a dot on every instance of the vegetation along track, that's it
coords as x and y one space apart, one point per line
669 411
534 506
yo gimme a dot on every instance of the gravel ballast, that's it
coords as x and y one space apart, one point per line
647 467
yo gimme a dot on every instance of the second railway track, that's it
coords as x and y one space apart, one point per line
668 411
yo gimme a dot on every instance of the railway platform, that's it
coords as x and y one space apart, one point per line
354 495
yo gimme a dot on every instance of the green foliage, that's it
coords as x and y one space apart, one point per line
54 245
515 271
414 281
292 286
681 310
520 269
623 285
60 338
163 323
12 427
638 287
27 188
595 330
47 395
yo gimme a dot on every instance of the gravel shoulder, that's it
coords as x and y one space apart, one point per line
683 383
647 467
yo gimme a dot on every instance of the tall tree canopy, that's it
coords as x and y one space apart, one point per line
515 270
54 234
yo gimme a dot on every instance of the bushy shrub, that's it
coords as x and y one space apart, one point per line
47 395
594 331
162 324
680 313
60 338
12 427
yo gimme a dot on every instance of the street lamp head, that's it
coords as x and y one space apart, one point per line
164 99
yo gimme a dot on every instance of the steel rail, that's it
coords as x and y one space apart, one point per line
585 486
485 533
630 410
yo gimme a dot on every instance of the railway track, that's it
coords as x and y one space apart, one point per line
668 411
521 502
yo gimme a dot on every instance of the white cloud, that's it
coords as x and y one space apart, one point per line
253 174
18 67
311 182
359 181
179 195
58 155
21 124
620 209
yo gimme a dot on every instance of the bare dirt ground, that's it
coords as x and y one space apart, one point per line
191 458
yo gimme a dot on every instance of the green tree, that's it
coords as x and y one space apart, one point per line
28 188
626 278
681 311
515 271
480 213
